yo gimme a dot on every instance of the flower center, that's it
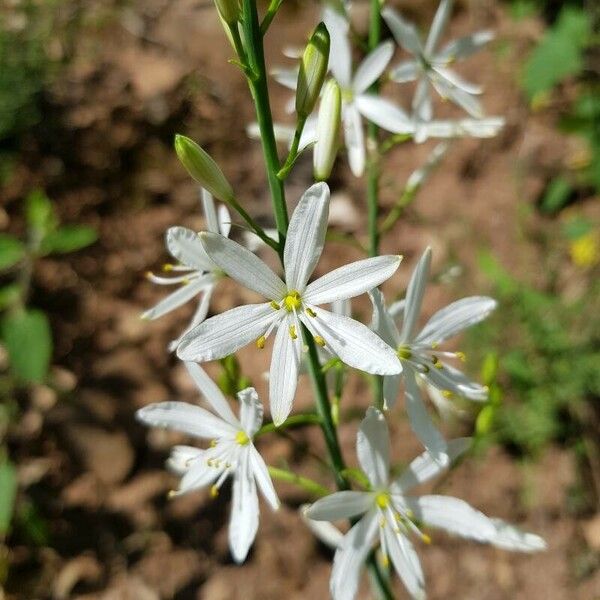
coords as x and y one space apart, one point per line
382 499
241 437
347 95
292 301
404 352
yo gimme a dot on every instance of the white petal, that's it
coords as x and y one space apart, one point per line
309 133
182 458
186 418
382 323
404 32
263 479
449 378
223 334
349 559
199 316
340 505
454 516
340 54
251 411
212 394
306 236
438 25
184 245
354 138
354 343
224 218
396 309
421 104
455 317
352 280
421 422
179 297
391 389
371 68
243 266
455 80
384 113
198 475
509 537
424 467
286 77
373 447
406 562
283 374
325 532
465 46
466 101
480 128
414 296
404 72
243 523
210 212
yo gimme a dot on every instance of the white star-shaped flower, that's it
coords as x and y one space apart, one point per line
431 66
231 453
196 273
390 514
419 351
293 302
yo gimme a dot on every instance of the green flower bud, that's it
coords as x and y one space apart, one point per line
313 68
203 168
229 10
328 127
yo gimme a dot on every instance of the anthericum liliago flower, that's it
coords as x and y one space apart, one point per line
195 273
231 453
391 515
294 303
431 67
419 352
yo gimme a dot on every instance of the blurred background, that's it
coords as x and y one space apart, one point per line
91 95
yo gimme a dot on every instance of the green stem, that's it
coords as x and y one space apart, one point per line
270 15
293 421
254 225
293 153
260 94
312 487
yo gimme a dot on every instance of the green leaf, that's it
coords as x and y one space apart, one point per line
12 251
559 54
9 295
8 492
576 228
69 238
40 213
28 340
556 195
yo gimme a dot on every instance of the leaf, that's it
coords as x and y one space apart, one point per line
28 340
9 295
40 213
8 492
12 251
69 238
557 195
559 54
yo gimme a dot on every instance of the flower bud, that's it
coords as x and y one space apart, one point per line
203 168
313 68
229 10
328 127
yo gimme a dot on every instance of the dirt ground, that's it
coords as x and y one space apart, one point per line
143 71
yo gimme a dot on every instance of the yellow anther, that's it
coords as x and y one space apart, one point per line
213 443
260 342
319 340
148 274
439 365
292 301
410 514
274 305
167 267
209 462
447 393
461 356
426 538
185 281
241 437
404 352
293 333
214 491
382 499
382 522
171 494
310 312
435 345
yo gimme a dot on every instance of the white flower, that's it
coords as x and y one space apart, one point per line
231 453
486 127
196 273
419 350
431 66
391 515
292 303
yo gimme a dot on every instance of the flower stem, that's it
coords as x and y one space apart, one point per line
312 487
260 93
293 421
293 153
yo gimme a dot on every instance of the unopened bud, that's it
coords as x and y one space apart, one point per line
313 68
328 127
229 10
203 168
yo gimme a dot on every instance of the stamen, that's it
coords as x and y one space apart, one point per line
167 267
382 499
461 356
310 312
425 538
260 342
447 394
241 437
275 306
213 443
292 301
214 491
293 333
319 340
404 352
171 494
